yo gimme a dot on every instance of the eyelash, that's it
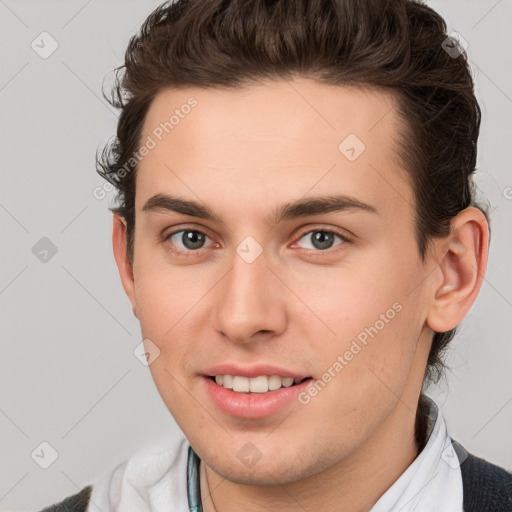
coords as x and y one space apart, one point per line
312 252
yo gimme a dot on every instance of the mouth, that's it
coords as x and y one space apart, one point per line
258 391
256 385
254 397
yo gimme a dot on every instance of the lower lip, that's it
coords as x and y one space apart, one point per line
253 405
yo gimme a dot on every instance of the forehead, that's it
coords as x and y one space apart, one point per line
272 141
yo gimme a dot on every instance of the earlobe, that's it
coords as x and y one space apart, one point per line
463 260
123 263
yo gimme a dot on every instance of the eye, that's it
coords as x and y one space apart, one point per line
322 239
190 239
188 242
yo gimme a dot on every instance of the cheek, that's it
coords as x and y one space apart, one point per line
168 306
364 367
166 295
373 325
348 300
157 308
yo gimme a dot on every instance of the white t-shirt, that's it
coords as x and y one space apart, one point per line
154 479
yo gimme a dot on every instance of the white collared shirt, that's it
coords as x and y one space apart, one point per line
154 479
433 481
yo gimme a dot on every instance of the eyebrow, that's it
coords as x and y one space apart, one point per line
303 207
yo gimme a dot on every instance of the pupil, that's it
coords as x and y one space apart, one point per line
322 240
192 239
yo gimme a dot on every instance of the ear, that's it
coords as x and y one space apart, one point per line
463 260
123 263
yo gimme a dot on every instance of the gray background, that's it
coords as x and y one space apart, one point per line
68 375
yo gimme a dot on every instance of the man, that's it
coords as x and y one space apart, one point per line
297 237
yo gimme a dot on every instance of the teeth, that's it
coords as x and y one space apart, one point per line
227 381
274 382
260 384
287 382
241 384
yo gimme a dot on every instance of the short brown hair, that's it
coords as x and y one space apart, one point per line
396 45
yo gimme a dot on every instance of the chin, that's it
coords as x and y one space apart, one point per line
272 469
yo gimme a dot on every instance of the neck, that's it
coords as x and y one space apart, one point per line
353 484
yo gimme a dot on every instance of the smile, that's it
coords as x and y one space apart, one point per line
260 384
242 402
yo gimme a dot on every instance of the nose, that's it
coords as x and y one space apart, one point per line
250 303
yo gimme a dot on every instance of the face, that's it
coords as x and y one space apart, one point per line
335 295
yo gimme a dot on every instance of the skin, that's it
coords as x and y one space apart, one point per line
242 153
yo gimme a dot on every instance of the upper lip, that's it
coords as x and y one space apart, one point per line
253 371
